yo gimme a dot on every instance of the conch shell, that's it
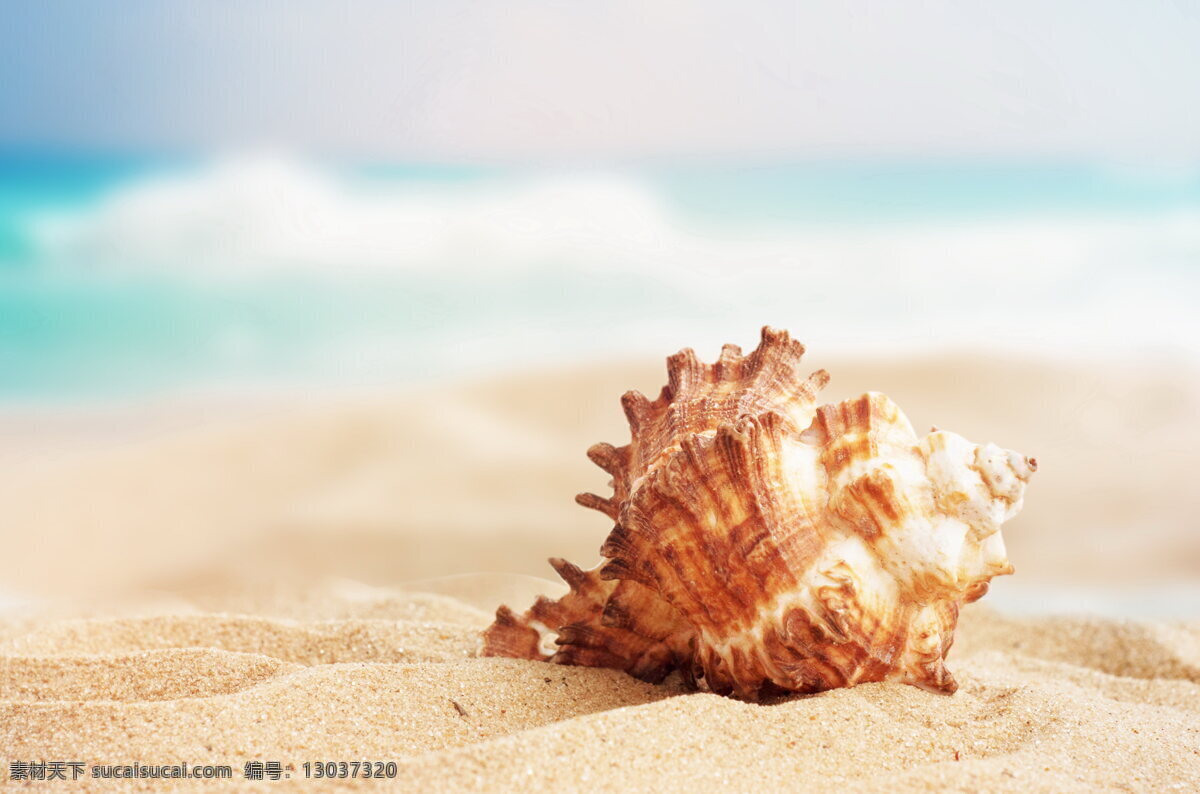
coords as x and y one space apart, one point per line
764 544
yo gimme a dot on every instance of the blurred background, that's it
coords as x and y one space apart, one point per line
310 289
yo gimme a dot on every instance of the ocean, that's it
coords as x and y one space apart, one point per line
135 275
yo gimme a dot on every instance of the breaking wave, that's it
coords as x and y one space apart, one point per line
288 256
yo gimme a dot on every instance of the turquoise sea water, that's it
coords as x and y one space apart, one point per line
132 275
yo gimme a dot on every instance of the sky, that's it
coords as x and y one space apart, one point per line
451 80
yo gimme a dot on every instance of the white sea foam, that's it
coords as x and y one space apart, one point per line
247 215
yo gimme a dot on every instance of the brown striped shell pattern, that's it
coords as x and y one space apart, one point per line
766 544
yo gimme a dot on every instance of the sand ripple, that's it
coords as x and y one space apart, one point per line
1047 704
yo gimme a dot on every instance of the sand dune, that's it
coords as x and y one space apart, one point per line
303 582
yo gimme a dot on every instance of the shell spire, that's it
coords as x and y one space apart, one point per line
763 543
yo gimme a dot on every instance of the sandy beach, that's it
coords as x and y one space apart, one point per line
304 581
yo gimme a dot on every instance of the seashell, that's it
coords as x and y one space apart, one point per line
766 544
